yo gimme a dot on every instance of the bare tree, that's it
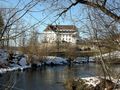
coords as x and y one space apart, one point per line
11 18
111 9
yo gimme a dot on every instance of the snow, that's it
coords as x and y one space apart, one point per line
79 60
19 61
23 62
4 70
91 59
111 54
91 80
114 53
96 80
55 60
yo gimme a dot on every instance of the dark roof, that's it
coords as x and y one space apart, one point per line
60 27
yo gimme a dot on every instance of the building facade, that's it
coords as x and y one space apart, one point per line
61 33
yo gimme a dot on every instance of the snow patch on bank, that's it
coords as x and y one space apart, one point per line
96 80
4 70
18 62
91 81
111 54
55 60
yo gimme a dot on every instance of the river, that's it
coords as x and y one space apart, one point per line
48 78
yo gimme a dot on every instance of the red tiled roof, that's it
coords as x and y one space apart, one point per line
60 27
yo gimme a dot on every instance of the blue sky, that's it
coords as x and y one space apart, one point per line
71 17
78 13
75 16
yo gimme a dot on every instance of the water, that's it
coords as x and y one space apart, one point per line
48 78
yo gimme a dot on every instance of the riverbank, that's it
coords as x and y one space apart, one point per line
4 70
92 83
18 61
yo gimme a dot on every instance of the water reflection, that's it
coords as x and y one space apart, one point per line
48 78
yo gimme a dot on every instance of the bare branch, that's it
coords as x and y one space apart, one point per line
8 21
64 11
102 8
104 3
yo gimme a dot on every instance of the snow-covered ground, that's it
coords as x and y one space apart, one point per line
4 70
91 80
111 54
55 60
18 62
94 81
114 53
80 60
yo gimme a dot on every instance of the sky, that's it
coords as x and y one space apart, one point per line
34 16
78 12
47 14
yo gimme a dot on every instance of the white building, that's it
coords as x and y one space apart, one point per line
62 33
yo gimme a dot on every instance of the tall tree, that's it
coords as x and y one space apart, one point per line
1 22
1 26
